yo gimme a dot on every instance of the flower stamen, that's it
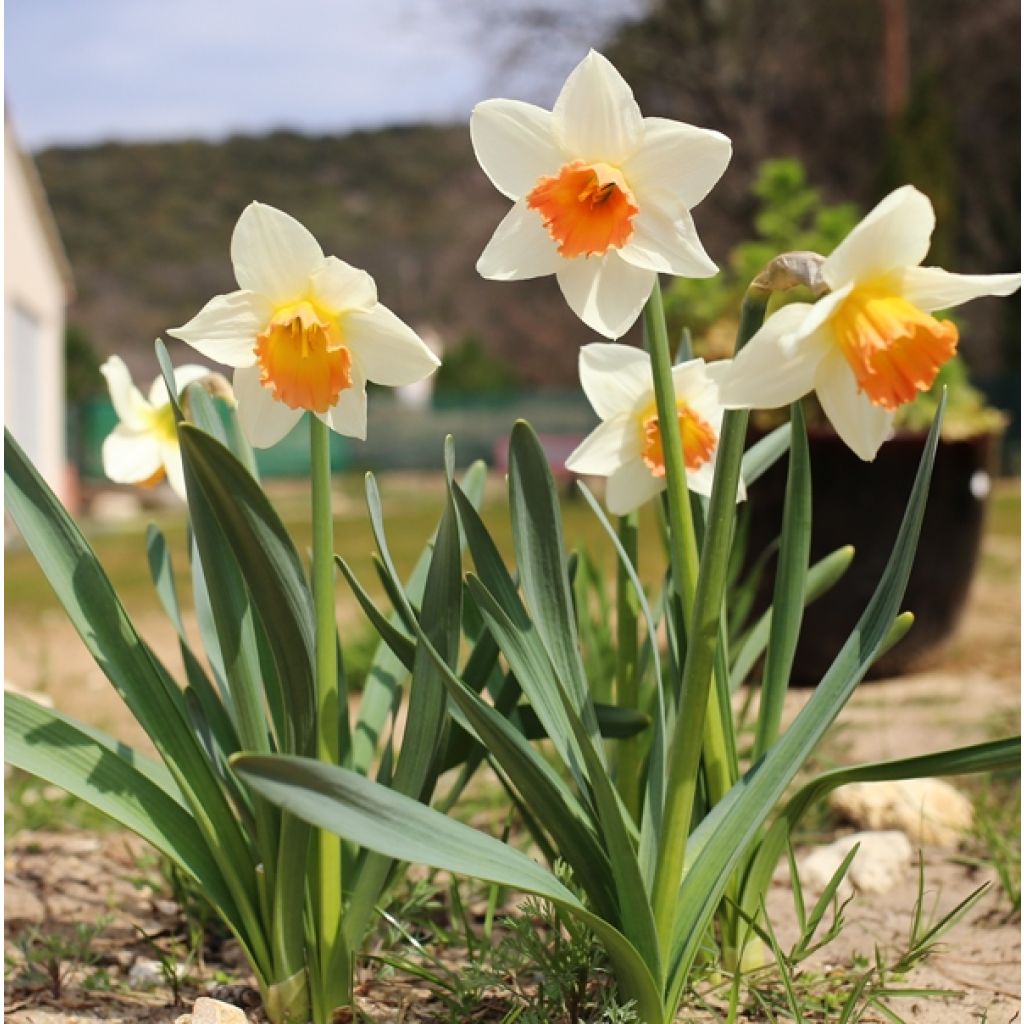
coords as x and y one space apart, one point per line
587 209
894 349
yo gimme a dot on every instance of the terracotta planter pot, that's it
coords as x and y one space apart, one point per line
862 503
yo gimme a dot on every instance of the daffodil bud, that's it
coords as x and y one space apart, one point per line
791 270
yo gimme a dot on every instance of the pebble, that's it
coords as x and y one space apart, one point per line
212 1011
929 811
879 865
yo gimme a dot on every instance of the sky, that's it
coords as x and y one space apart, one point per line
84 71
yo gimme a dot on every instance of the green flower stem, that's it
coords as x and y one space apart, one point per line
627 695
683 537
329 854
682 534
688 737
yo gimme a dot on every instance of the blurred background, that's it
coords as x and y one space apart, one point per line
137 131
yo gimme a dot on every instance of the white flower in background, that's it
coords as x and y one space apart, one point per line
304 332
602 194
869 345
143 447
626 447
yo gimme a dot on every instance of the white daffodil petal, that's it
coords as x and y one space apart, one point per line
226 328
170 456
273 253
896 233
515 145
128 402
130 457
606 293
595 115
822 310
348 415
264 419
615 378
931 288
667 245
607 447
386 349
861 424
520 248
690 378
338 286
701 479
631 486
677 159
776 367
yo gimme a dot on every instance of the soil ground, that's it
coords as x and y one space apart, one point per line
968 692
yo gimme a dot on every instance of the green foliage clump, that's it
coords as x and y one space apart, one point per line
469 369
791 215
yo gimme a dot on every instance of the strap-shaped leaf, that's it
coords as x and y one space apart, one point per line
87 596
723 837
821 578
790 582
116 780
217 716
270 566
387 672
763 454
540 556
979 757
397 826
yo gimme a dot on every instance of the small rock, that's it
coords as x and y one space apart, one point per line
145 973
22 904
880 863
931 812
213 1011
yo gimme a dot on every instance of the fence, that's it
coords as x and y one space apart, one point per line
399 436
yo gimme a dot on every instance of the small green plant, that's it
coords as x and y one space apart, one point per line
995 838
792 986
48 958
533 965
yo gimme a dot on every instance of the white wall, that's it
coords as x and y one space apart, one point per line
35 293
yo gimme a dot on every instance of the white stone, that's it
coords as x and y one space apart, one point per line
145 973
879 865
213 1011
931 812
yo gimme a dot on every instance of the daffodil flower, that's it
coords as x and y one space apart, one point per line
602 194
869 345
304 332
626 447
143 447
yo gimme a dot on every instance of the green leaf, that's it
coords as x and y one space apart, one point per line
271 568
980 757
87 596
821 578
790 582
118 781
540 556
397 826
722 839
762 455
217 717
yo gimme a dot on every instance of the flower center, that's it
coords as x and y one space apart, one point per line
161 424
587 208
698 437
302 358
893 348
